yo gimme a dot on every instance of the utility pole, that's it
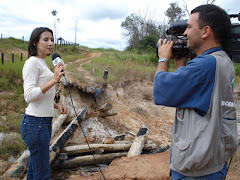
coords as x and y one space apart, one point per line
54 13
75 32
57 34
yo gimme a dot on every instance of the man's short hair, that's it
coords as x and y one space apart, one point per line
215 17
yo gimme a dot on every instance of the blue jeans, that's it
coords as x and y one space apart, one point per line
192 178
36 133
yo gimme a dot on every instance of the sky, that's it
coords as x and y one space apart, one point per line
93 23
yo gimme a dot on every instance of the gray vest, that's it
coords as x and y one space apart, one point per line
202 145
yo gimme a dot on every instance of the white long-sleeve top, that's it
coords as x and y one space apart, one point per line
36 73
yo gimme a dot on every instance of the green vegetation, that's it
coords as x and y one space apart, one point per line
12 43
122 66
237 74
11 145
12 104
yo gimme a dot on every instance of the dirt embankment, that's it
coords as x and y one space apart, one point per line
134 103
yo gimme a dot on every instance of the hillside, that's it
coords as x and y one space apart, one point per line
132 99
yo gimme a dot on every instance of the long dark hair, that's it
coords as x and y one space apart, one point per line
35 36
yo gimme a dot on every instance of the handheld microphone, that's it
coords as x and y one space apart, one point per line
56 59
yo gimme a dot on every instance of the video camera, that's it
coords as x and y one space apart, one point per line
231 45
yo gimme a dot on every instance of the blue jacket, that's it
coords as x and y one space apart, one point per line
204 133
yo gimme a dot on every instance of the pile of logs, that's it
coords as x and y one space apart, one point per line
62 156
92 154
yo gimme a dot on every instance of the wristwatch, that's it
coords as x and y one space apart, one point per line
162 59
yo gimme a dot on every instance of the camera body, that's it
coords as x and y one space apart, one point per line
176 31
231 44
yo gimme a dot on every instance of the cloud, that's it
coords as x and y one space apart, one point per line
98 21
96 14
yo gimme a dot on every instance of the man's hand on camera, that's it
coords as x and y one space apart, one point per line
164 54
165 48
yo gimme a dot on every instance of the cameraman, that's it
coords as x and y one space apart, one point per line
204 133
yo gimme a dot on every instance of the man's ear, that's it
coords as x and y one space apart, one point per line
206 31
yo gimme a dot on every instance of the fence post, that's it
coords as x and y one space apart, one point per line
2 58
21 56
12 58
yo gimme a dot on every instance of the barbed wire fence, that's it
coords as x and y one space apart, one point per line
60 43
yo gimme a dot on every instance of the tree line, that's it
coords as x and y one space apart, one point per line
142 31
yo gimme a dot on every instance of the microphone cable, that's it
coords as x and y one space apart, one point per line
82 130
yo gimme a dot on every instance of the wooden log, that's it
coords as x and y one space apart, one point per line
62 156
120 137
58 144
93 168
99 151
105 107
105 75
161 149
139 141
58 123
123 142
87 160
19 168
79 149
108 140
110 112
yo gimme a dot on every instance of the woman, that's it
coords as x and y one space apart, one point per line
39 92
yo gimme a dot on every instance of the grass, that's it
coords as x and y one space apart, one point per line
73 67
124 66
120 67
10 43
11 145
11 70
237 74
12 104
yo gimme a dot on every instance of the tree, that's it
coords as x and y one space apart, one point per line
132 25
210 1
174 12
142 32
148 43
186 8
